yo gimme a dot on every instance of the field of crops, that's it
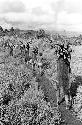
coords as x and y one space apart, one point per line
26 96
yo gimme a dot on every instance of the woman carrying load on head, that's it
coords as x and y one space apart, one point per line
63 68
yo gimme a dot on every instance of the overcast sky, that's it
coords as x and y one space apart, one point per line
49 14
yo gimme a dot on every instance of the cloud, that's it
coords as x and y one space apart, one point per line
69 21
69 18
57 7
38 11
12 6
73 6
50 14
26 20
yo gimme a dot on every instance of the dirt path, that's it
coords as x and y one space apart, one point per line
48 89
68 116
50 92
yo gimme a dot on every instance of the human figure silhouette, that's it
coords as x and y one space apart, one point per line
63 73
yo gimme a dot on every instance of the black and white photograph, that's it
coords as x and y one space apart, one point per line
40 62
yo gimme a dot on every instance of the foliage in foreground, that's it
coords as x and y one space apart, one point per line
30 109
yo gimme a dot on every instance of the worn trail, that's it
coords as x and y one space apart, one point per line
50 92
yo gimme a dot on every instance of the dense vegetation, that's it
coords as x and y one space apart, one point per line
22 99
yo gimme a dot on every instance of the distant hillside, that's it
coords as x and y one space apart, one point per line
66 33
